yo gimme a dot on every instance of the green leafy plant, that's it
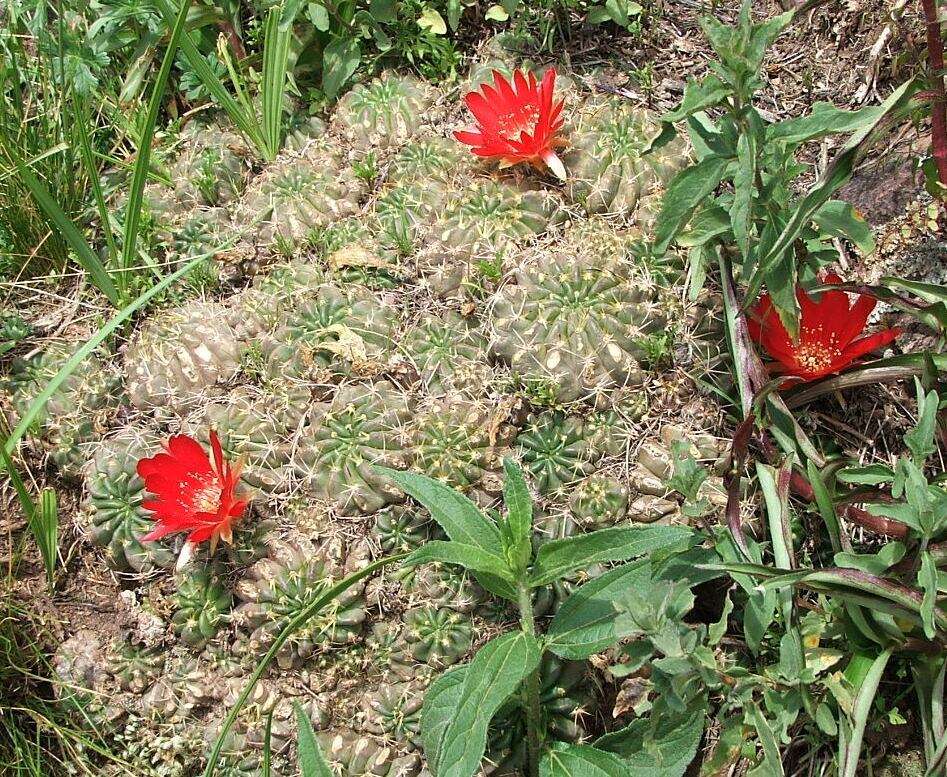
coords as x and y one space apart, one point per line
738 196
499 551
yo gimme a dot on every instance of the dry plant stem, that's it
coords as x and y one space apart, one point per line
533 709
935 52
849 380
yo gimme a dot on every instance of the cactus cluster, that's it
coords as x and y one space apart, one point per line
609 171
383 113
278 587
77 412
115 495
298 196
180 354
447 316
577 324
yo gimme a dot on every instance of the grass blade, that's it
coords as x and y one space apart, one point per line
275 59
246 123
80 355
143 162
86 257
92 171
296 623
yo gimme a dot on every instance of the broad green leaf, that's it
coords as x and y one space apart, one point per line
493 676
837 173
454 11
432 21
824 119
468 556
698 96
496 13
339 61
460 518
319 16
519 504
385 11
709 222
762 37
826 507
850 745
586 623
565 760
311 761
839 219
662 745
686 192
440 701
561 557
772 764
927 580
870 475
872 563
920 440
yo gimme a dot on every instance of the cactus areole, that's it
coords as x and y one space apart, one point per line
517 122
192 494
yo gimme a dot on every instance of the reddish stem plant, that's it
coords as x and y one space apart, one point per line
935 53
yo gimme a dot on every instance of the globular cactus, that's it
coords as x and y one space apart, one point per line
182 691
362 426
437 636
80 682
202 604
179 354
135 667
163 749
429 159
297 196
599 501
279 587
447 586
394 711
211 168
339 331
260 308
449 353
257 427
491 217
78 411
400 529
383 113
354 755
406 212
608 169
462 443
577 324
301 130
204 233
115 496
557 450
359 250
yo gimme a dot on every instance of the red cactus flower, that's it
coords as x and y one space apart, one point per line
830 333
191 493
516 122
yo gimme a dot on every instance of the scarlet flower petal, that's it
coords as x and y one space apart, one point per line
517 121
867 344
191 494
827 328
